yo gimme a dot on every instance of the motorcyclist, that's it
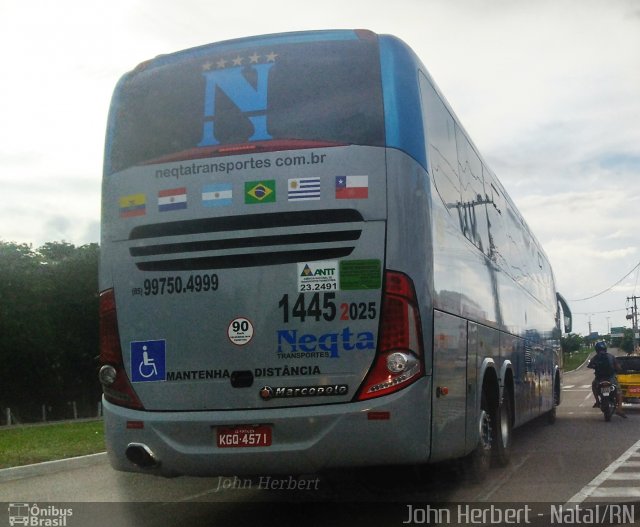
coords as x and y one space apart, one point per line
605 366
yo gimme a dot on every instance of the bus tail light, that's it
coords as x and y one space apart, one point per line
113 377
399 360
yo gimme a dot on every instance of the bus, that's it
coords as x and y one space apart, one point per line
307 265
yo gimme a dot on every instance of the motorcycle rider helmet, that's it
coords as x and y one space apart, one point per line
601 347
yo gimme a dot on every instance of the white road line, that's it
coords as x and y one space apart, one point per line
624 476
569 386
619 492
588 401
592 489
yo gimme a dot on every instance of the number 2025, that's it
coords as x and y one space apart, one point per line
322 305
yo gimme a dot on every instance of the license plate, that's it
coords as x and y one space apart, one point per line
634 390
605 391
244 436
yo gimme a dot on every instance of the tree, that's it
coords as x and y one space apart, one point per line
626 343
572 342
48 324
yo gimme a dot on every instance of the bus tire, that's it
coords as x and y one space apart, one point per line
504 431
551 414
477 464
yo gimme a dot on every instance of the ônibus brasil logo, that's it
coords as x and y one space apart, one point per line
37 516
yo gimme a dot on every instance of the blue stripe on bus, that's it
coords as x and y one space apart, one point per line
402 108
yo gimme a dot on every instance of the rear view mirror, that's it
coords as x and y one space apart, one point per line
566 311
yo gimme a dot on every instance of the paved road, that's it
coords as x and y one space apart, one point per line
580 459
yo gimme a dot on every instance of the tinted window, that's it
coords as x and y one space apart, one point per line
319 91
629 364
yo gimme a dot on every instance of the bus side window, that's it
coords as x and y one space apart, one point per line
472 209
442 150
495 216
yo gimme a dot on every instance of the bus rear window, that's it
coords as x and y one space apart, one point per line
312 91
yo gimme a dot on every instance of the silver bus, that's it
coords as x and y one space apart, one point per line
306 264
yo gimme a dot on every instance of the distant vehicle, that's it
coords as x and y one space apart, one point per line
629 378
306 264
608 399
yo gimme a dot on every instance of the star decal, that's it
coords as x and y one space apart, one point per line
239 60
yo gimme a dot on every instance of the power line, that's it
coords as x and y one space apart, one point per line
600 312
608 288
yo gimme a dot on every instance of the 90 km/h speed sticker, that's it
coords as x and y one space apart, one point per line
240 331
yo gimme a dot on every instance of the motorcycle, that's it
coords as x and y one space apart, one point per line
608 400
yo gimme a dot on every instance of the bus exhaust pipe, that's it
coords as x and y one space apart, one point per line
141 456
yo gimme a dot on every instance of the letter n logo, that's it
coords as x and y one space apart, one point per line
249 100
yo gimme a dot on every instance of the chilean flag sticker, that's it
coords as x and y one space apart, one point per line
352 187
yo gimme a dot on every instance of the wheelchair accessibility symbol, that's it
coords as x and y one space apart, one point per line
148 361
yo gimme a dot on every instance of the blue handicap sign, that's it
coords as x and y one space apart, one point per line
148 361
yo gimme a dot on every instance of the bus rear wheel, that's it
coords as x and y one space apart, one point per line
502 446
477 464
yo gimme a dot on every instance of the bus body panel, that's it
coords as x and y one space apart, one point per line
305 439
299 295
302 330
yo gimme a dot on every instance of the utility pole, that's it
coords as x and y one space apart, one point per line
634 319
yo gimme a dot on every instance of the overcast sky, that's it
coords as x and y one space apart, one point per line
548 90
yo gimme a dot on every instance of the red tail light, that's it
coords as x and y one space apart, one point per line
115 383
399 361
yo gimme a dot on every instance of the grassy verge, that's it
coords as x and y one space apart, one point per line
24 445
575 359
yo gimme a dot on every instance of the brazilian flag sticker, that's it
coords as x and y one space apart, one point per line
260 191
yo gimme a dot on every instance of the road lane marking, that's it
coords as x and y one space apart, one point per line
616 492
588 401
624 476
594 488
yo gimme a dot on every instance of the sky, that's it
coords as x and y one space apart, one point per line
548 90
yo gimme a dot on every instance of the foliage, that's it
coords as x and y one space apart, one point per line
572 342
48 324
573 360
626 343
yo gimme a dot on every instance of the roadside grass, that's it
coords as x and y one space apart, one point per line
575 359
23 445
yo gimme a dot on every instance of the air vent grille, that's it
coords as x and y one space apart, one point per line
245 241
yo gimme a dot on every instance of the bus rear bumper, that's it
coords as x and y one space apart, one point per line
391 430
